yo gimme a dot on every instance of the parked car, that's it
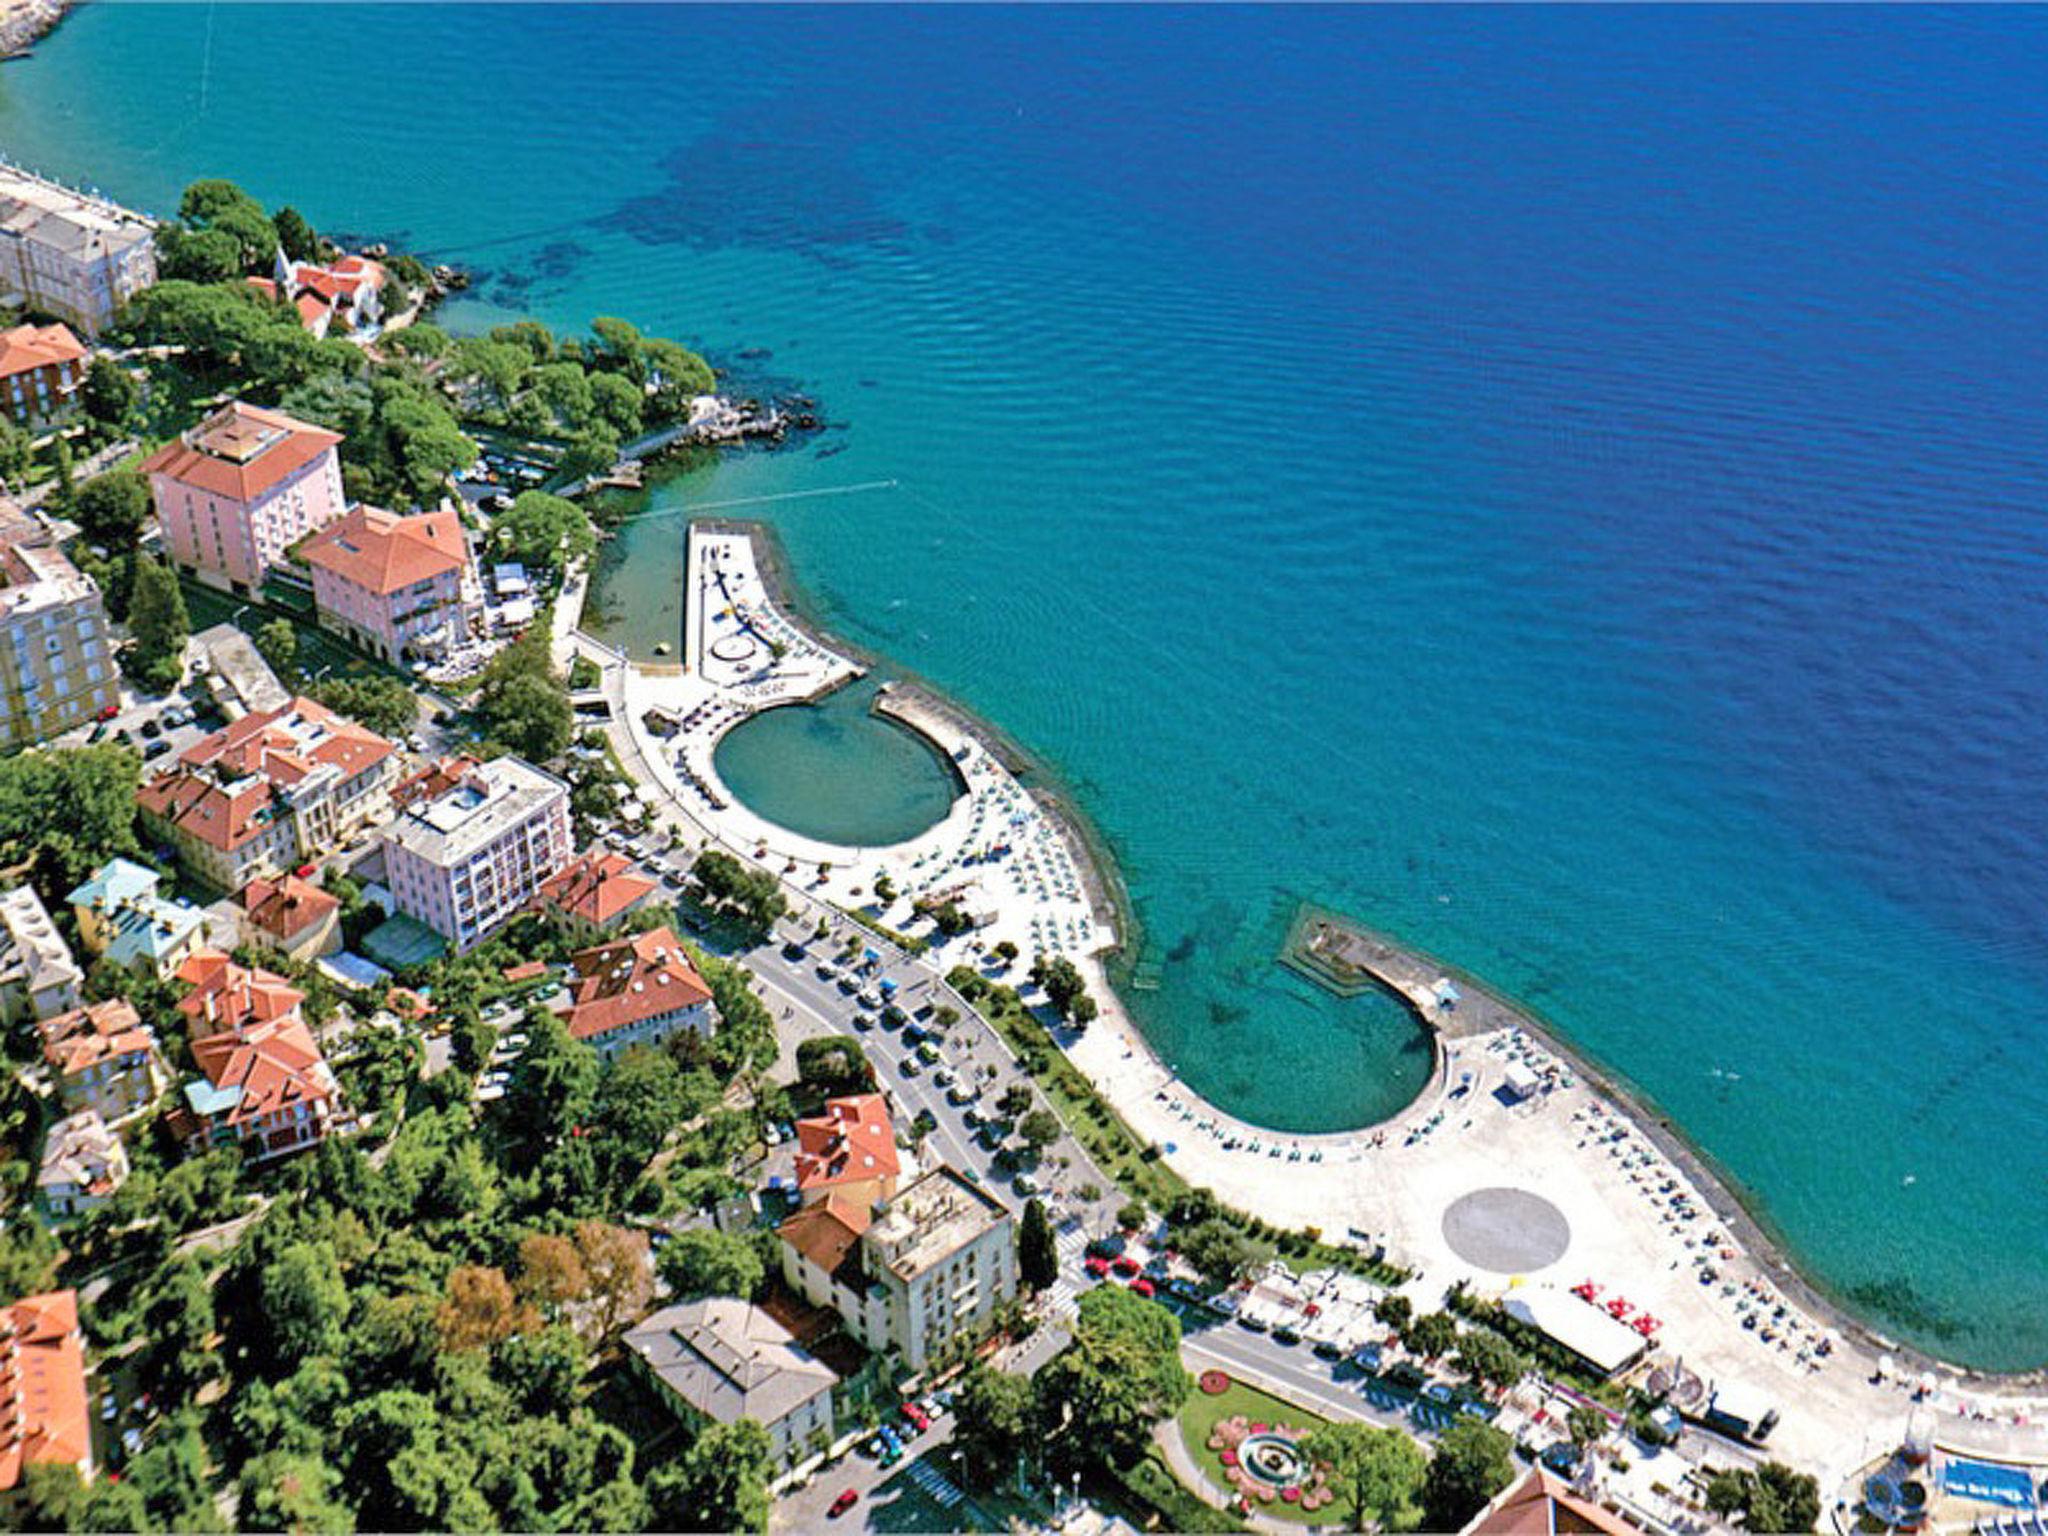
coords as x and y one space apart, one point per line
151 728
156 748
848 1497
1125 1265
1254 1324
1141 1287
1286 1336
1325 1350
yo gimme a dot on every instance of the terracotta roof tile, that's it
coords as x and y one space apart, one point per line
851 1142
597 886
37 346
632 980
287 907
383 552
241 451
100 1032
225 996
42 1380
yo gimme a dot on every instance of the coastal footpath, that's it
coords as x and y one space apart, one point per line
1611 1201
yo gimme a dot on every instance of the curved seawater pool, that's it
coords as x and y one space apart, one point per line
836 772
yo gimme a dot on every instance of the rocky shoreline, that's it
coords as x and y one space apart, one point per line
24 22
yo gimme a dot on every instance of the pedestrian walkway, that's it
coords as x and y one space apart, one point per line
935 1485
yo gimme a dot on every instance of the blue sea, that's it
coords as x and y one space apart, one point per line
1563 484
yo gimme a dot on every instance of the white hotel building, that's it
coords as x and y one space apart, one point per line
471 854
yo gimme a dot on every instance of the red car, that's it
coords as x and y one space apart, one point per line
846 1500
1141 1287
108 713
919 1419
1125 1265
1097 1267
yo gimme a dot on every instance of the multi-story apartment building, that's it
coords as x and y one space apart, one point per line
83 1164
41 369
104 1059
911 1274
38 975
397 586
238 490
272 790
69 254
56 669
121 916
474 843
43 1404
636 991
264 1084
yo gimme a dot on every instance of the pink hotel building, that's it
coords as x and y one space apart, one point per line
239 489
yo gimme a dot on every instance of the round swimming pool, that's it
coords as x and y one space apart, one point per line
834 772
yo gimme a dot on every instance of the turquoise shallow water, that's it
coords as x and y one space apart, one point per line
1562 484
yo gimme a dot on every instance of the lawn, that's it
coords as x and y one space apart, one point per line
1202 1413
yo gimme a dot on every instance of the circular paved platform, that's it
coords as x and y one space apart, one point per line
1508 1231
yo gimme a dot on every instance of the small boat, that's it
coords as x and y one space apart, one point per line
662 648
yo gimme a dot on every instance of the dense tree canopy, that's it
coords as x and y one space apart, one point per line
1473 1462
1379 1472
543 531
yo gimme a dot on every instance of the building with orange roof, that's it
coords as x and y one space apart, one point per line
105 1059
636 991
850 1149
271 790
398 586
238 490
264 1084
1543 1504
290 915
41 370
44 1416
595 892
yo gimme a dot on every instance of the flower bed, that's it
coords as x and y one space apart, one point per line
1215 1383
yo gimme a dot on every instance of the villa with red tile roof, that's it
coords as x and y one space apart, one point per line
45 1419
349 292
637 991
595 892
291 915
238 490
264 1084
104 1059
397 586
850 1150
41 369
273 789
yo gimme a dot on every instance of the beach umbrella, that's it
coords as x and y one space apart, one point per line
1886 1366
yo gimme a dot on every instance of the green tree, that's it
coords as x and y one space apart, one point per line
678 374
705 1262
1099 1398
1772 1498
618 403
1040 1129
291 1491
1038 1260
178 1324
110 393
1586 1424
17 454
1394 1309
385 704
1061 981
835 1065
497 368
993 1422
1433 1334
223 207
1488 1357
564 389
1379 1471
719 1484
295 235
305 1301
1473 1462
277 641
157 621
1217 1249
197 255
593 451
64 489
111 507
548 532
523 701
